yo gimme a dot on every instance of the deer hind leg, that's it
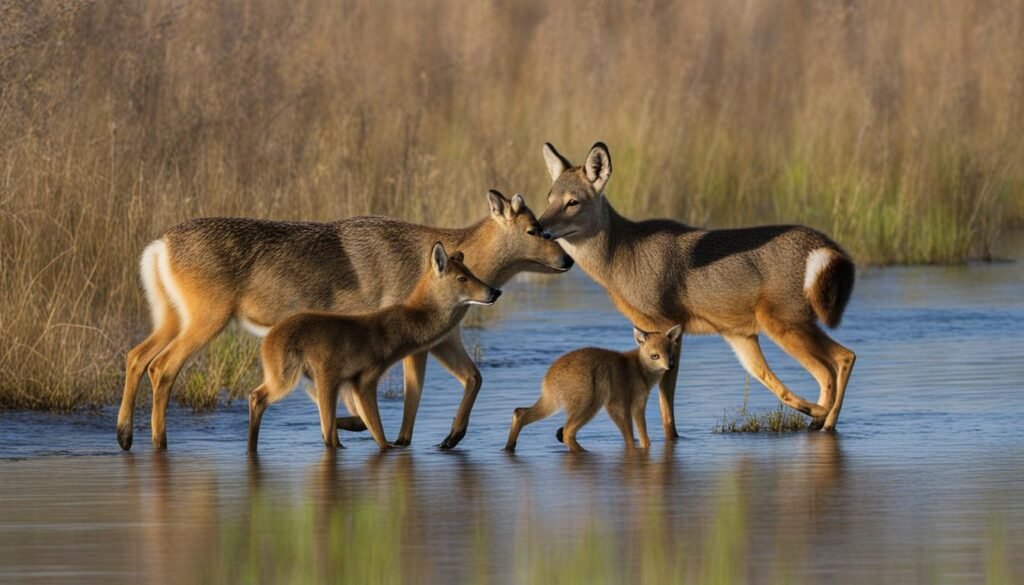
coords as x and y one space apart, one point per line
748 350
543 408
578 417
136 362
809 345
163 370
350 423
843 359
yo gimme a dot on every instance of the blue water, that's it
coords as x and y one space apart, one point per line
927 464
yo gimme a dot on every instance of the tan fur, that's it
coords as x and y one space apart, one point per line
353 351
735 283
584 380
201 274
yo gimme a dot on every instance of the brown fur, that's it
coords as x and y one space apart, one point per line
736 282
258 272
584 380
353 351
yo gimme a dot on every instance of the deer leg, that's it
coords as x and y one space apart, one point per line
748 350
452 355
415 367
667 395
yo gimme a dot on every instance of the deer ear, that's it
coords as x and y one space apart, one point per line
674 333
598 167
499 205
639 336
439 258
518 204
458 256
557 164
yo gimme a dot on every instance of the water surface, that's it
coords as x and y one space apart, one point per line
924 481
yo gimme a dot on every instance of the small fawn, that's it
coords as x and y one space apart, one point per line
584 380
336 350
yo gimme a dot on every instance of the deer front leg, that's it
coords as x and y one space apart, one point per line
452 355
667 395
415 367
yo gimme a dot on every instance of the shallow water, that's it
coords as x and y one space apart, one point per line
923 482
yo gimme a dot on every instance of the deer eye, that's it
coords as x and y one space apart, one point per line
655 356
571 203
462 279
531 232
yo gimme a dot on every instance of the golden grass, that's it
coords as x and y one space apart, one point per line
895 126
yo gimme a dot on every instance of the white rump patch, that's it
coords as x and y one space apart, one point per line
163 270
817 261
254 328
148 270
155 269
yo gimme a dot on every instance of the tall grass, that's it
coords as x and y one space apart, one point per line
895 126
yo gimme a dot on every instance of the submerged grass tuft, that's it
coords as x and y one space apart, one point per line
778 420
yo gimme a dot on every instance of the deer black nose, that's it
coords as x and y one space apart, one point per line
495 293
565 262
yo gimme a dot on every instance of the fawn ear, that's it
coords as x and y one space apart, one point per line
500 207
439 258
518 204
674 333
598 167
639 336
458 256
557 164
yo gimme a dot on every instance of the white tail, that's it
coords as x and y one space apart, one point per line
161 292
817 261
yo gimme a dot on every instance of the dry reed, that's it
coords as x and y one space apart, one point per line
895 126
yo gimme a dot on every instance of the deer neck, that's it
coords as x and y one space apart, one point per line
485 254
425 319
599 254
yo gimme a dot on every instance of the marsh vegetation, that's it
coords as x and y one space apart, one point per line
747 420
895 127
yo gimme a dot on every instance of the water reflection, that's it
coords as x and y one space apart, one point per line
923 481
653 516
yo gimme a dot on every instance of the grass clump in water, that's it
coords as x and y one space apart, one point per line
778 420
